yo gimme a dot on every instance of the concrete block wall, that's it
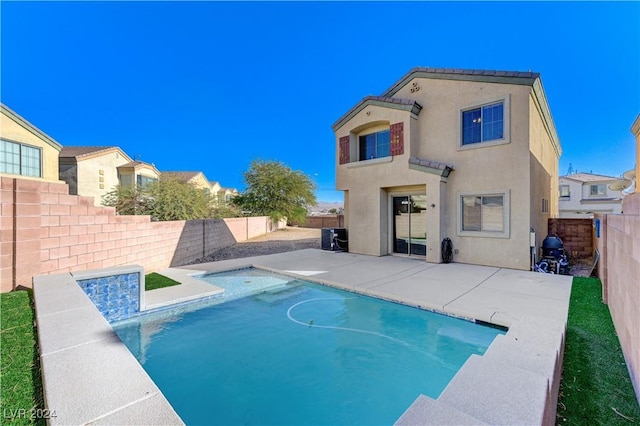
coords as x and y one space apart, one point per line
623 281
45 231
576 234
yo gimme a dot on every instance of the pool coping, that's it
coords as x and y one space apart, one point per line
88 374
515 381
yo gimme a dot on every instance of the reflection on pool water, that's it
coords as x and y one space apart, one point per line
293 352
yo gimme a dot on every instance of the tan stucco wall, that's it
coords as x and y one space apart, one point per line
91 170
543 178
148 172
13 131
200 182
483 168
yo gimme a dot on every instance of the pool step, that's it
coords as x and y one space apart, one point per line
278 294
503 394
428 411
531 345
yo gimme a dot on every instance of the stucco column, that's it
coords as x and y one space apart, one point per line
436 214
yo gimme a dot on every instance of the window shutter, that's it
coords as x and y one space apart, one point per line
344 149
397 138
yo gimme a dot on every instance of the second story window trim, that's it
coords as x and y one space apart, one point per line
484 124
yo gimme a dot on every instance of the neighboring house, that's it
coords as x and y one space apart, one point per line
197 179
25 150
137 173
220 194
470 155
93 171
226 194
215 189
583 194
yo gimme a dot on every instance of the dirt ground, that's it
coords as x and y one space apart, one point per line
282 240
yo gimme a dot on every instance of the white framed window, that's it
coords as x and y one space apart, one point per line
484 124
565 191
374 145
484 214
20 159
597 190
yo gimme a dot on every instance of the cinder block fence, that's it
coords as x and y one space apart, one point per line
44 230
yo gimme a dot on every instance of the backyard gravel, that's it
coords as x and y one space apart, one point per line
282 240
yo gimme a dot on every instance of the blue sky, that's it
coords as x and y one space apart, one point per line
211 86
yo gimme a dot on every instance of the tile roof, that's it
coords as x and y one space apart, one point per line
384 101
387 99
435 165
135 164
181 175
496 76
588 177
80 151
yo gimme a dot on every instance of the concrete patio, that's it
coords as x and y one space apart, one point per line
515 382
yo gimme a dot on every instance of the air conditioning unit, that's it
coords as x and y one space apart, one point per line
334 239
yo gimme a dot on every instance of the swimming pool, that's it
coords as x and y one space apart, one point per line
293 352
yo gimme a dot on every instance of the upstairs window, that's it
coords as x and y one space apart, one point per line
565 191
483 124
20 159
374 145
597 190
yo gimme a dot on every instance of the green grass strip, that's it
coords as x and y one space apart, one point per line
20 381
153 281
595 388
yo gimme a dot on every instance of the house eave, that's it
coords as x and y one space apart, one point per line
488 76
385 102
30 127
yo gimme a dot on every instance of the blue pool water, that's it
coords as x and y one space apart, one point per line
298 353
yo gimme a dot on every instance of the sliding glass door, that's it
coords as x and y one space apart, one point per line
410 224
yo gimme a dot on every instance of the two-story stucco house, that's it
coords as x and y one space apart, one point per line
583 194
470 155
93 171
26 151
